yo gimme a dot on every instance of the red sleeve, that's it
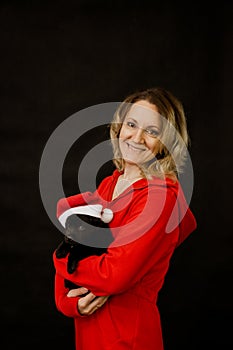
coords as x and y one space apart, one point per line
73 201
67 306
123 266
85 198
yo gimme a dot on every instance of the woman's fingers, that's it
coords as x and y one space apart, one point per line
90 303
84 304
97 303
77 292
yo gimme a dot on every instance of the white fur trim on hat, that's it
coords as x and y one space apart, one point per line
107 215
95 210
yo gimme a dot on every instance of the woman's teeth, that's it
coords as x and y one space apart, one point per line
135 148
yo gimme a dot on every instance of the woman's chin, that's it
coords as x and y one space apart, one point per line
131 161
138 162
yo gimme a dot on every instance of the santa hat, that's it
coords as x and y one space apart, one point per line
95 210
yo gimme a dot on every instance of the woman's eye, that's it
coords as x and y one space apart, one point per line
152 132
131 124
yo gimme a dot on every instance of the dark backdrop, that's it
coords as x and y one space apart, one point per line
60 57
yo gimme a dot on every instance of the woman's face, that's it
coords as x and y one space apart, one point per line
138 138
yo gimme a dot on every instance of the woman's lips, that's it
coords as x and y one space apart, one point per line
135 148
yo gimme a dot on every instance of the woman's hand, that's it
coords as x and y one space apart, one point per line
88 304
77 292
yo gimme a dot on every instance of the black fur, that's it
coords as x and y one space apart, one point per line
84 236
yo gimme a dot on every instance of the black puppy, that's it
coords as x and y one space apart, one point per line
85 235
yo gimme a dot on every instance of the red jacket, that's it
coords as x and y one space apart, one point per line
133 270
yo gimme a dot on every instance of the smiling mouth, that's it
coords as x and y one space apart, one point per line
134 148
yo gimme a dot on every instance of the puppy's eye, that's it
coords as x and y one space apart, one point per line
81 228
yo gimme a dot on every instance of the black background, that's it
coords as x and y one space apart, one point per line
60 57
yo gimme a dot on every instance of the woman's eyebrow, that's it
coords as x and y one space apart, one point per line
135 121
129 117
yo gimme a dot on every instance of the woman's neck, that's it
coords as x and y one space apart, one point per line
131 172
130 175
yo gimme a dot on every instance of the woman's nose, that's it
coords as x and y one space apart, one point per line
138 136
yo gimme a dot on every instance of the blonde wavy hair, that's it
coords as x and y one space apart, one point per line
174 138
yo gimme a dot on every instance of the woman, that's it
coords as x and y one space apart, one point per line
151 218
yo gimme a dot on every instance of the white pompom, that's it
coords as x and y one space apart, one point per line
107 215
